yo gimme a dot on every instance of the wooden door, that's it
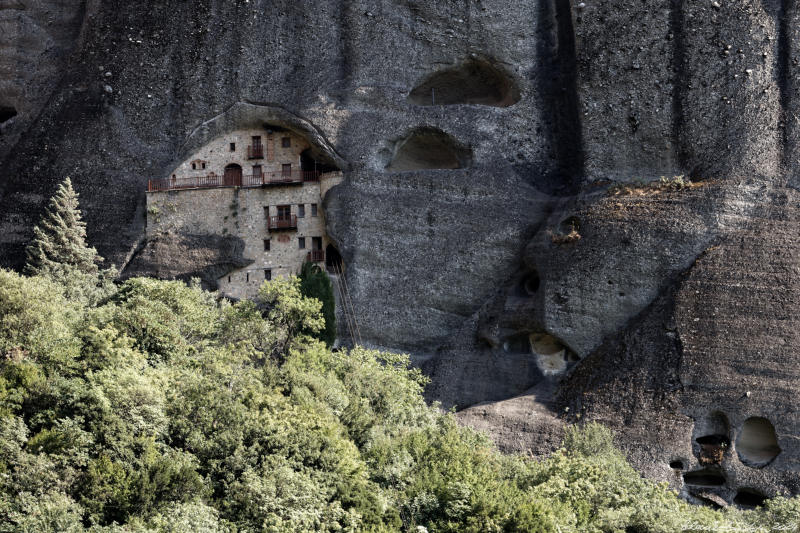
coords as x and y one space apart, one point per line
233 176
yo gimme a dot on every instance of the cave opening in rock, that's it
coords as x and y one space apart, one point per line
473 82
676 465
429 149
7 113
311 162
749 498
531 283
757 444
712 438
570 225
333 260
528 285
552 357
704 478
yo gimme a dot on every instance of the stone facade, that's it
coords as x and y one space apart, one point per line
277 148
190 206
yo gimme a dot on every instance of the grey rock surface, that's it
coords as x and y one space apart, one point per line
670 302
169 255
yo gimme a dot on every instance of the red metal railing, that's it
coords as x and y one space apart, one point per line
255 151
278 177
282 222
315 256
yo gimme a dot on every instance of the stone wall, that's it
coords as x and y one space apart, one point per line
240 212
218 154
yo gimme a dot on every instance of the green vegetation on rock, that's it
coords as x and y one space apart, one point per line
161 408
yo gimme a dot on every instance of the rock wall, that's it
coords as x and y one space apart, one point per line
448 212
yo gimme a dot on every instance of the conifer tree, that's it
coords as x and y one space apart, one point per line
59 244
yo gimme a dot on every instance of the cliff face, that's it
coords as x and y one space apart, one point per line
478 142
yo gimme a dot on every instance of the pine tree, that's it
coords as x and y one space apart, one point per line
59 245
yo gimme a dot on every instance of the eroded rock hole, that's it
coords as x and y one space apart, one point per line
571 224
474 82
429 149
552 357
704 478
749 498
712 437
676 465
529 285
7 113
757 444
713 448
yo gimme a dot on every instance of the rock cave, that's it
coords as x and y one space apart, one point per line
429 149
757 444
704 478
476 82
7 113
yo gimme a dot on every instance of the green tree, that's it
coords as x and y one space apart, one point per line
315 283
59 240
59 250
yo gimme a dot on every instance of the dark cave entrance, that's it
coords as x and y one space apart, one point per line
7 113
310 163
704 478
333 260
473 82
749 498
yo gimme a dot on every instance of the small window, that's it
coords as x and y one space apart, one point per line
229 279
286 142
194 167
266 211
302 242
257 140
247 277
301 210
284 212
313 210
267 274
257 171
266 245
287 169
233 147
316 243
203 165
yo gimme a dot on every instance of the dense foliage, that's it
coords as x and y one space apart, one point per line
163 409
315 283
155 406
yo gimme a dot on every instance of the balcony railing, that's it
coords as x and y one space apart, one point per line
315 256
255 151
262 179
282 222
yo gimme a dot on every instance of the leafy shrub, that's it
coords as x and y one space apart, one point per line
163 409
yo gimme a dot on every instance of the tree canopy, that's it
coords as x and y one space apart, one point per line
164 408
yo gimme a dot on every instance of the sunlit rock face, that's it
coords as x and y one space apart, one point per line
526 201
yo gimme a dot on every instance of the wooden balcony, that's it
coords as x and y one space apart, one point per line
282 222
315 256
263 179
255 151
